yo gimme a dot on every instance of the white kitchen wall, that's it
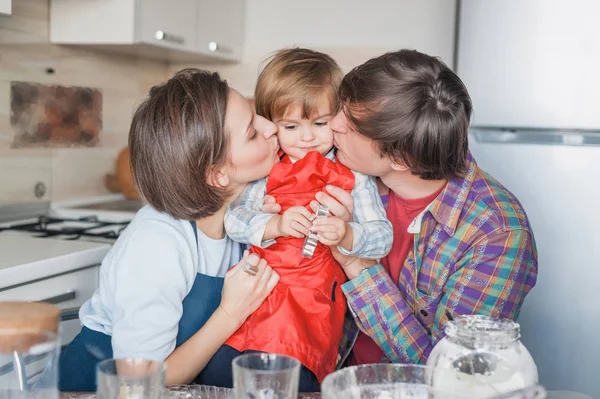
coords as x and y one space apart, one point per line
351 31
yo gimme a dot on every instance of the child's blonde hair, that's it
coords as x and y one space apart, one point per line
297 76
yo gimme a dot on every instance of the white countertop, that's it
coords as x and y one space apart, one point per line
25 258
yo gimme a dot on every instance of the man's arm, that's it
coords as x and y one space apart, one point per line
491 278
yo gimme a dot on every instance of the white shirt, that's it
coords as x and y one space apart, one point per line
145 278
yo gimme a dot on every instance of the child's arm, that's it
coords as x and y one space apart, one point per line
372 232
246 223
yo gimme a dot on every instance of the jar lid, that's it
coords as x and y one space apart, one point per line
23 324
483 330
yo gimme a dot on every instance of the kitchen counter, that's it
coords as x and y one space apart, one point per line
24 258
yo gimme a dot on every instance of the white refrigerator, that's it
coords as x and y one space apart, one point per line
533 71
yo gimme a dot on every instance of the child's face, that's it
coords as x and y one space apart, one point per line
299 136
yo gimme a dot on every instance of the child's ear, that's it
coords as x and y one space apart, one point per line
218 178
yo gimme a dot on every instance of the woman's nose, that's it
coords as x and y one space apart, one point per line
339 122
269 129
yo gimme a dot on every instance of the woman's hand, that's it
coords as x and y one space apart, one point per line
270 205
242 292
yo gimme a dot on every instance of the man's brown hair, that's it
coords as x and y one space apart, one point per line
177 138
415 108
297 75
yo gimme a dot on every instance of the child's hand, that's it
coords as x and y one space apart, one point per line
295 222
333 231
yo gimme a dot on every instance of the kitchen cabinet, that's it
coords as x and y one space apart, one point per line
220 27
5 7
68 291
174 30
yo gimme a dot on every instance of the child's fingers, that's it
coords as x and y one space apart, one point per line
302 220
326 228
297 230
328 238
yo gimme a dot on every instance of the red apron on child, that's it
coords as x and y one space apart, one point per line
303 317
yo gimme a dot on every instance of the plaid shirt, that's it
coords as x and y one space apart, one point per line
474 253
372 232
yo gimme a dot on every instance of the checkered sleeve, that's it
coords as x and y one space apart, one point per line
244 220
371 230
491 278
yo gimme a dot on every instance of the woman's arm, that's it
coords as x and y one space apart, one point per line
242 294
150 277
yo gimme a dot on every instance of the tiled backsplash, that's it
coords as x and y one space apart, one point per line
55 116
67 172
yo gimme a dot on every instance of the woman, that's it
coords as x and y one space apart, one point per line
165 290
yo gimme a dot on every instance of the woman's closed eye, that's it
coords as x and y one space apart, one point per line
253 134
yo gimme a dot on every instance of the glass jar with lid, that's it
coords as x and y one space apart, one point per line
483 356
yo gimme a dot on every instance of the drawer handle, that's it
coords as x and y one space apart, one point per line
168 37
60 298
69 314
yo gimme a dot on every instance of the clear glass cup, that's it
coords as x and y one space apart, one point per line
266 376
28 364
389 381
482 356
130 379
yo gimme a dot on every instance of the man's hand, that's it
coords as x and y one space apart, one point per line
351 265
338 200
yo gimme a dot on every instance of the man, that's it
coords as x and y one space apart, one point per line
462 242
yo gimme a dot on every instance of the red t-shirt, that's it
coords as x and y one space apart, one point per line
401 212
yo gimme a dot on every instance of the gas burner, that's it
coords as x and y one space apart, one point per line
88 227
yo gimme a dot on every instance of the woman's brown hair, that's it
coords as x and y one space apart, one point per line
177 138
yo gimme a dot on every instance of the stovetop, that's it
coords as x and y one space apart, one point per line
89 228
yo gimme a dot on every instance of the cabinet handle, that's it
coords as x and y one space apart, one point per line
69 314
214 47
60 298
168 37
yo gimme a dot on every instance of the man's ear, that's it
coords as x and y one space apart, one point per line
399 166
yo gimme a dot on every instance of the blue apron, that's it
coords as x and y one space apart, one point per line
77 364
